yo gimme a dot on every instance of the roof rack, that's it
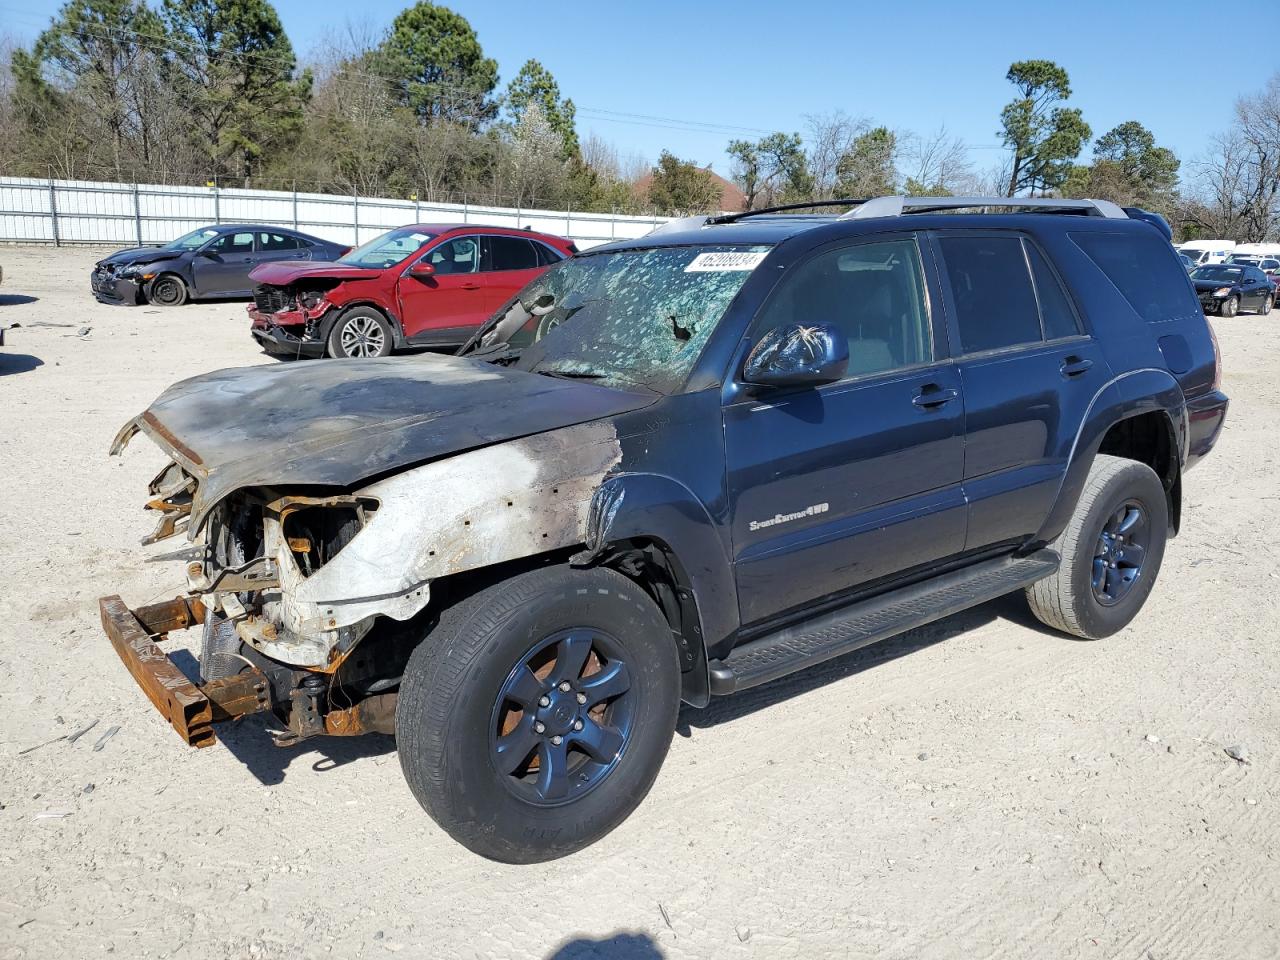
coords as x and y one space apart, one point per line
783 208
896 206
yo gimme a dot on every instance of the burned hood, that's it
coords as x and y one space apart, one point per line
335 423
285 272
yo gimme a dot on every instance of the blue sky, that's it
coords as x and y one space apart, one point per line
753 66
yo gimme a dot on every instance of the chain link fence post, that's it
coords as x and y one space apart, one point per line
137 215
53 209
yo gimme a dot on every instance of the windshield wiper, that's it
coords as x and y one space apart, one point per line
571 374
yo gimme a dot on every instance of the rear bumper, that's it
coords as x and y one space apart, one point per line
190 708
1205 417
117 291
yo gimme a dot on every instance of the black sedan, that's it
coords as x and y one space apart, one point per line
1228 288
209 263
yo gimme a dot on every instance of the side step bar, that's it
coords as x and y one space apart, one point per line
842 631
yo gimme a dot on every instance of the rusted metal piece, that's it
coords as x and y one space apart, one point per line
376 714
179 700
158 618
190 708
238 696
154 423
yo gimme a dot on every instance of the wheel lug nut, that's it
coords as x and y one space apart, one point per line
539 727
557 740
544 701
577 724
582 698
564 686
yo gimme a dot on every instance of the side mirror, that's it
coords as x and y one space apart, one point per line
798 355
422 270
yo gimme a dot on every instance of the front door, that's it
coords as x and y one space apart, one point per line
222 268
442 306
835 487
1029 374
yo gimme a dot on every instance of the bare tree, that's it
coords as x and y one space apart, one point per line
936 162
830 139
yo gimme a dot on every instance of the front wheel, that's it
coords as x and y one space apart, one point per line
167 290
534 718
1230 306
360 332
1111 552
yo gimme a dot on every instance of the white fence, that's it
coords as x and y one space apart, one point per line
126 214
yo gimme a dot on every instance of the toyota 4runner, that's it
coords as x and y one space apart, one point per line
673 468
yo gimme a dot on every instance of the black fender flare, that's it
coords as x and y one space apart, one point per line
657 509
1128 395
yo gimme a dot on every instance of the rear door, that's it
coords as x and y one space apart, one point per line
273 247
508 264
222 268
1029 372
1257 289
834 487
443 307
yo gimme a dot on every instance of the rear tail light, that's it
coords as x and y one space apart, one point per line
1217 356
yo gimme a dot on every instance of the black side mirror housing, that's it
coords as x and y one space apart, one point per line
798 355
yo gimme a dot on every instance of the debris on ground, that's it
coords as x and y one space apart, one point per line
52 815
82 731
102 740
39 745
1151 738
1237 753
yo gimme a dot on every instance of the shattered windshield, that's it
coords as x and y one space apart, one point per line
387 250
189 241
631 317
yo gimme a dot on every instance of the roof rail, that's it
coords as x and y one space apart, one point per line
896 206
784 207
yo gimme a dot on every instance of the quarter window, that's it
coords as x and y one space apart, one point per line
872 292
995 303
1141 268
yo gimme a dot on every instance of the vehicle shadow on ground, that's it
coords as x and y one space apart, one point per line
1012 607
16 299
250 742
620 946
18 363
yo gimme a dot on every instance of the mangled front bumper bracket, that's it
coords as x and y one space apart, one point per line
190 708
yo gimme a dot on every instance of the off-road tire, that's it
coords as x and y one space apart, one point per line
370 318
453 680
1066 600
167 290
1230 307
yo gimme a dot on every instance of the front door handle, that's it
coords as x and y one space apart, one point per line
932 396
471 286
1074 366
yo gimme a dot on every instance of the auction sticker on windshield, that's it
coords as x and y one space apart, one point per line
725 261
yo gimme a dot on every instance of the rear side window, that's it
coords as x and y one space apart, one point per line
511 253
276 241
546 256
995 303
1145 272
1055 309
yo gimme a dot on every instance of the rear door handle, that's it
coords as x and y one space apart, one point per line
1074 366
932 396
471 286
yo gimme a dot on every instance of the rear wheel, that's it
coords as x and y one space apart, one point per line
1266 305
535 717
1230 306
1111 552
361 332
167 290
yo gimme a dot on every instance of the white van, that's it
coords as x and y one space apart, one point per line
1208 251
1259 251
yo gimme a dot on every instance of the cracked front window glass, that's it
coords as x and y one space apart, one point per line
631 317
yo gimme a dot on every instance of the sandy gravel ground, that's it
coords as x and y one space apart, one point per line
978 788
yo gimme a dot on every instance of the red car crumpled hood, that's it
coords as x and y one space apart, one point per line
284 272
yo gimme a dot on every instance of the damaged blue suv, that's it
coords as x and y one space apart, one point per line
674 468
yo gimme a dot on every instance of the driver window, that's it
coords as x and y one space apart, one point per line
871 292
460 255
233 243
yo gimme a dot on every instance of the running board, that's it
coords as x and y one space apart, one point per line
839 632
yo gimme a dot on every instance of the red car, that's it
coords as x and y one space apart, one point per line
421 285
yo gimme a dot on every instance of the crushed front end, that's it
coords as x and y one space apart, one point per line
289 321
